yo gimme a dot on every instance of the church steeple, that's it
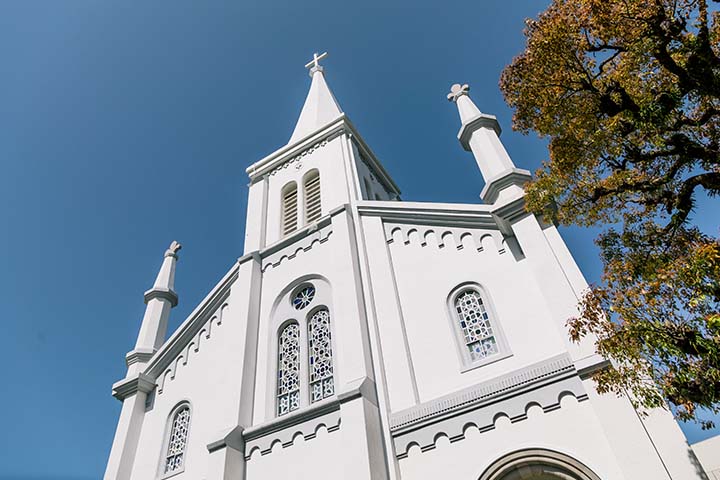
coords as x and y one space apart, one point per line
325 165
480 134
320 106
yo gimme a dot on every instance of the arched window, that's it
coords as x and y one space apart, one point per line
320 356
289 208
538 463
475 323
288 381
313 209
174 461
479 336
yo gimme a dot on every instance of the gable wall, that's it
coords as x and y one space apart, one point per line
423 273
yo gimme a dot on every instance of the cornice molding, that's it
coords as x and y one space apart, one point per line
283 429
306 421
317 139
326 133
304 239
449 214
300 156
163 294
505 214
130 386
501 386
543 384
138 356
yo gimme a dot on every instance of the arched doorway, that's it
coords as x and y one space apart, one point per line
538 464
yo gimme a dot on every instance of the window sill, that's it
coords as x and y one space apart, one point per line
486 361
171 474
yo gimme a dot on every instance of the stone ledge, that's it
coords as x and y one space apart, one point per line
163 294
130 386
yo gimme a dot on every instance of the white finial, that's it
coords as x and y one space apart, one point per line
457 91
314 64
173 249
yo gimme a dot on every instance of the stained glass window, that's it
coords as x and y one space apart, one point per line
288 382
303 297
320 356
175 457
475 324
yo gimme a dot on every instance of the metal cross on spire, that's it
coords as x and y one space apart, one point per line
314 64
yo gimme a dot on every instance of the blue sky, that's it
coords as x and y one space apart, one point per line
125 125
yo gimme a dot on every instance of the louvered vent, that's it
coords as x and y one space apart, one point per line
313 209
289 209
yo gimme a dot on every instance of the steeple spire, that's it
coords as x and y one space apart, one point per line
159 299
480 134
320 106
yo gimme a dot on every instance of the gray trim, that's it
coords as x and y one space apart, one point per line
163 294
450 214
543 383
481 121
127 387
138 356
513 176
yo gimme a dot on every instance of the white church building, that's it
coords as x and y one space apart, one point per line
364 337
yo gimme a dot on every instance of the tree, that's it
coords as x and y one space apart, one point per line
628 94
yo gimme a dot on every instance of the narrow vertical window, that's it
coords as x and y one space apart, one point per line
313 208
320 356
177 441
474 320
289 208
288 382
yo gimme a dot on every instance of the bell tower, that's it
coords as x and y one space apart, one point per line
325 164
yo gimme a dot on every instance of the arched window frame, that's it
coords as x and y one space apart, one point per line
327 388
312 207
466 360
289 209
169 424
538 461
283 312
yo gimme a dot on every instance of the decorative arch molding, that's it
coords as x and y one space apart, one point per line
510 396
212 321
301 241
445 237
540 464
